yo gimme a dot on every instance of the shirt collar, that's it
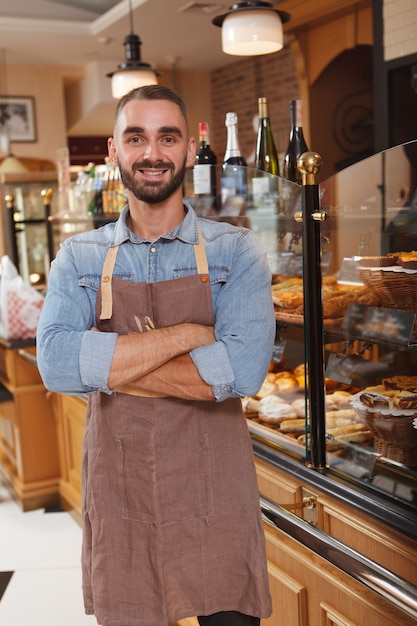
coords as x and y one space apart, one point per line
186 231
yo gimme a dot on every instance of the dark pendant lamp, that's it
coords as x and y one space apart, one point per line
252 27
134 72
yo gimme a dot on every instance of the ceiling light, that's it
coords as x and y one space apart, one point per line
252 27
134 72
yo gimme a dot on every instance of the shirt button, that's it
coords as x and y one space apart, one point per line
153 249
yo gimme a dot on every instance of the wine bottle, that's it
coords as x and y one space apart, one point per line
204 173
296 145
266 157
235 171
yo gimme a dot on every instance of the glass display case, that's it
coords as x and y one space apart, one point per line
348 329
365 350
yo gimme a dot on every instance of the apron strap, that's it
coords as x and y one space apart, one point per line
106 284
200 254
110 261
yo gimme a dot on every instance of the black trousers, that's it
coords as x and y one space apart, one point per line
228 618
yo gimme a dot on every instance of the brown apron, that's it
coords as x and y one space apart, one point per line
171 519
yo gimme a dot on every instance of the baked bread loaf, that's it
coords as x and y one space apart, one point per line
286 383
267 389
292 425
354 432
338 442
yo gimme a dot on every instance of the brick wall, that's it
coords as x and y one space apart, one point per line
237 87
400 28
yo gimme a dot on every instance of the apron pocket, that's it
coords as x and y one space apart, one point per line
136 467
184 485
174 487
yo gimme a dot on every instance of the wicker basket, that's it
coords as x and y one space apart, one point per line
394 436
396 289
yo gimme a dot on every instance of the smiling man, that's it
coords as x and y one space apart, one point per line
166 321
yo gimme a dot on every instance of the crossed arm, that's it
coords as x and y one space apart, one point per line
158 361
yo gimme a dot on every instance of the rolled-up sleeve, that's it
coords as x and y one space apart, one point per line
71 358
236 365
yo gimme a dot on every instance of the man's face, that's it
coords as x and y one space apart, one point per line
152 149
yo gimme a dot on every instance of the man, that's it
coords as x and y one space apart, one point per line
166 321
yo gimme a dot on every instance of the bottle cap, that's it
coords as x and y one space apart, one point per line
231 119
262 107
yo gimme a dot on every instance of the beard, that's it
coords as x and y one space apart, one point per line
153 192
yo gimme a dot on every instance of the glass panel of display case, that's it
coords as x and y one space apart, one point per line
368 262
372 352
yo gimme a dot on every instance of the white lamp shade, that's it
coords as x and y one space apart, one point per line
124 81
12 165
249 33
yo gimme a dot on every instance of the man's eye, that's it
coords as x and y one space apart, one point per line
134 139
169 140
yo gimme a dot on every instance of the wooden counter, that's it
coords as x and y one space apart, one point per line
29 460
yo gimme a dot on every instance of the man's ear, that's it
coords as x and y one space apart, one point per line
112 151
191 152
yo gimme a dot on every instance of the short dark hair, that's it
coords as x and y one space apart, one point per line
152 92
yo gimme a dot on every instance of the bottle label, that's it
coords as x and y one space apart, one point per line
202 179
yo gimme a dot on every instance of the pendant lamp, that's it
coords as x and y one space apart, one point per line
133 72
252 27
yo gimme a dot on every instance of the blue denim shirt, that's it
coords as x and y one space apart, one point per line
74 360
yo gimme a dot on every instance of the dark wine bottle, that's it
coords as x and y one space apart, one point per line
235 171
204 173
296 145
266 157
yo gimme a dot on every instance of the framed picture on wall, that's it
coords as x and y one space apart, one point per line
17 116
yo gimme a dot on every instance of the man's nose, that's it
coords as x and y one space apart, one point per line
152 151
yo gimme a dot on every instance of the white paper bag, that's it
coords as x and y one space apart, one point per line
20 304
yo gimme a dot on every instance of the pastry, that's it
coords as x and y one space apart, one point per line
273 410
293 425
343 414
267 389
287 383
346 430
358 437
338 399
374 400
354 432
288 299
251 405
300 370
406 383
405 400
299 407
